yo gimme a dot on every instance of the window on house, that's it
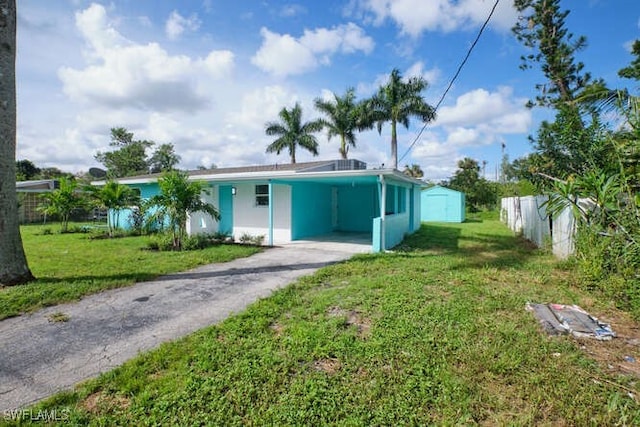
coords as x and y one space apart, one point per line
262 195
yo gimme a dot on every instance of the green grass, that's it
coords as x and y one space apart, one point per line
435 333
70 266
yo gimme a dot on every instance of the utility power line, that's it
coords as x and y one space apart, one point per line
464 61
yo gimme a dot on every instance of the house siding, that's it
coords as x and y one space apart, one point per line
200 222
254 220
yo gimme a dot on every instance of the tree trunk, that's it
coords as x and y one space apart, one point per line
343 147
13 262
394 145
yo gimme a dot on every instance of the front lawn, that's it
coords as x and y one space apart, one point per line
69 266
435 333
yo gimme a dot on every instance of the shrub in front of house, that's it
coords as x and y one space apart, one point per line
164 241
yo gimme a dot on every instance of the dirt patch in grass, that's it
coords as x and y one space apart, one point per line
622 353
277 329
99 402
353 318
439 293
156 375
329 366
488 255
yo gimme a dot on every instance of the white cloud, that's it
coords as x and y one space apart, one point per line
283 54
478 118
261 105
145 21
416 16
417 70
97 31
124 74
437 159
497 110
177 24
462 136
291 10
628 45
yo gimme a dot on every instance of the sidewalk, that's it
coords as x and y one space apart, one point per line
39 358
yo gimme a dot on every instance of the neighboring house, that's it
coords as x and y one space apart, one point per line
29 199
303 200
442 204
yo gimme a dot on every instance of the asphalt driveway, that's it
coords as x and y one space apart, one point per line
39 358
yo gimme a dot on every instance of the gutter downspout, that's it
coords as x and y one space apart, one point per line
383 211
270 213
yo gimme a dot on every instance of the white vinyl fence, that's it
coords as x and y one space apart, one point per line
527 215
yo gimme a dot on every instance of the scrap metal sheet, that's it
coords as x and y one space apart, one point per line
570 319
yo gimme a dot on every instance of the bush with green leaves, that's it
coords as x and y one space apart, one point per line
160 242
164 241
177 199
606 208
249 239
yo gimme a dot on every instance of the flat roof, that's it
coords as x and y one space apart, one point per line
285 172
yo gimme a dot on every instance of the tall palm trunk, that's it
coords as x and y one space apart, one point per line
13 262
394 145
343 147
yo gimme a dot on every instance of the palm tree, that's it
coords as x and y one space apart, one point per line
414 171
396 102
63 201
14 269
179 197
343 118
292 132
115 197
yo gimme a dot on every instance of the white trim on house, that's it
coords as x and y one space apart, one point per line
283 175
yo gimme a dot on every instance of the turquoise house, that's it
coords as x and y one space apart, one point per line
442 205
300 201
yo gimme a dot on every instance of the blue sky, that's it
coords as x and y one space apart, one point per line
206 75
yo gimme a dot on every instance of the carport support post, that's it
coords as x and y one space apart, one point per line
270 213
383 211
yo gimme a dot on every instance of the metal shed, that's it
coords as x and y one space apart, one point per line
442 204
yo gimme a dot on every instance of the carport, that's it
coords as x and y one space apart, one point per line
345 205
